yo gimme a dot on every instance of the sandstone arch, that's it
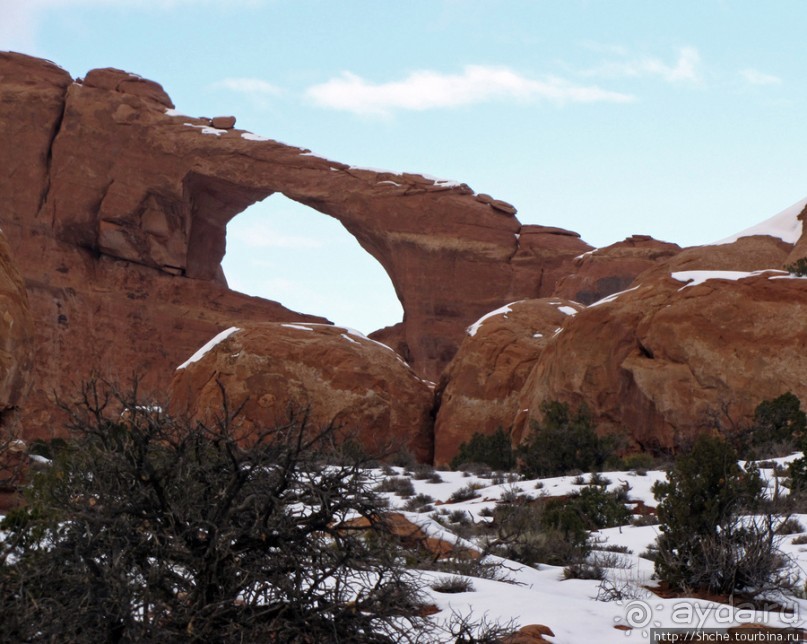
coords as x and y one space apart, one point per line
127 177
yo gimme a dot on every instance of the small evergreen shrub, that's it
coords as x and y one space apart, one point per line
590 509
637 462
562 442
778 426
798 268
494 450
706 543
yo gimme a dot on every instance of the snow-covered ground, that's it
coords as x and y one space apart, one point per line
578 610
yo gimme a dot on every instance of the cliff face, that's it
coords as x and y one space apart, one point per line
16 333
99 225
479 390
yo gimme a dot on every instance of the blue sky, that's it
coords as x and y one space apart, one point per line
683 120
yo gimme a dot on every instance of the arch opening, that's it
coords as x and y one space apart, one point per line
282 250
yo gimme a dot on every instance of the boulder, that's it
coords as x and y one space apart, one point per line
480 388
532 633
335 375
223 122
677 355
415 537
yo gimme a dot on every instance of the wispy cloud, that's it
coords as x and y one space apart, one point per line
685 68
756 77
254 86
425 90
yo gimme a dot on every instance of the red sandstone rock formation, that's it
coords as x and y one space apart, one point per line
342 377
530 634
479 389
105 165
16 354
71 163
116 207
672 357
608 270
16 335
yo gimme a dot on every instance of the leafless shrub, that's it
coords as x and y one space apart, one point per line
790 525
419 503
399 485
465 493
596 566
465 629
422 471
621 585
149 529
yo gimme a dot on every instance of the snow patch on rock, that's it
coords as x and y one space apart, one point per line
474 328
784 225
207 347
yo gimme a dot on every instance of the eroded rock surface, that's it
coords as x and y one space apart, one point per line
98 235
116 207
608 270
479 390
16 359
678 354
337 376
16 334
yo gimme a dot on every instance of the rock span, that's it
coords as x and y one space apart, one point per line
106 166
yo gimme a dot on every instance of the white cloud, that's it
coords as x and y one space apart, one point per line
249 86
424 90
684 69
756 77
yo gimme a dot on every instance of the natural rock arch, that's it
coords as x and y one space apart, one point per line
125 175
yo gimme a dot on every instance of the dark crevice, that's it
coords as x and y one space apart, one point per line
517 246
647 353
57 128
